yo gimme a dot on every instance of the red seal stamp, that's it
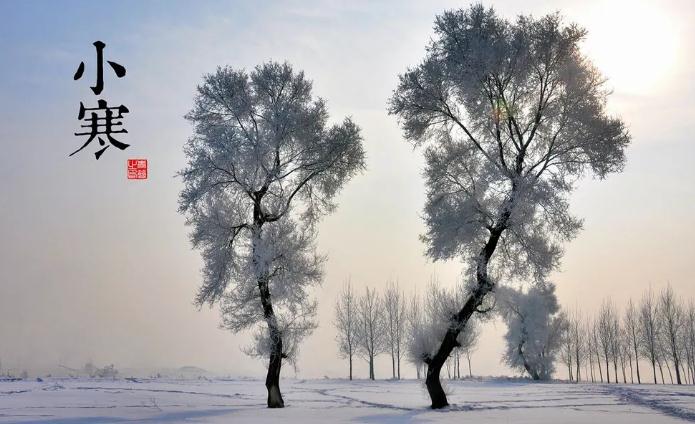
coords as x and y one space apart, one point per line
137 169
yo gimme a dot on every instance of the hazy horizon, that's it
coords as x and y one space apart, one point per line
98 268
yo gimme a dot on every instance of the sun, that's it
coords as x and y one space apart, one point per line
634 44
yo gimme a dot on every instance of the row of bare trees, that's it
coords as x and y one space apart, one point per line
659 331
371 324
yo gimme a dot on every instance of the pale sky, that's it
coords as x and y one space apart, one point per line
96 267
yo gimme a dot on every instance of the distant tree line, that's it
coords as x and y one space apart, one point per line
658 331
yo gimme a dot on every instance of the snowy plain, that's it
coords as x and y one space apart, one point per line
86 401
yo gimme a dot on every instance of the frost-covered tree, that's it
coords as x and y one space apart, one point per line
606 336
615 339
566 354
535 329
415 325
631 325
689 340
649 330
263 166
670 314
590 347
625 353
578 342
371 328
596 345
346 322
395 317
511 114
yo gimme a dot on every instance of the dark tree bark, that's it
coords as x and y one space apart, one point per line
591 369
578 373
272 380
661 370
676 363
484 286
634 347
399 363
350 360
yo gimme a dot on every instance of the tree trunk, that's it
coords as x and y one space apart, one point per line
434 387
398 361
470 373
484 286
272 381
608 374
654 371
686 372
661 371
591 366
371 367
350 359
458 365
678 371
634 345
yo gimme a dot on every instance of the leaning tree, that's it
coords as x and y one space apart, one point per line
263 166
511 114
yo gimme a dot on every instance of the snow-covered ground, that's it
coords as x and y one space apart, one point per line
336 401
